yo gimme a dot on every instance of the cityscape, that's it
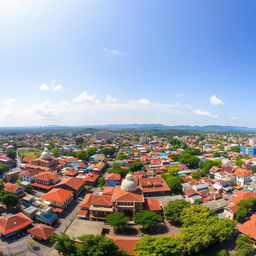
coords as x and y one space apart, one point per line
127 128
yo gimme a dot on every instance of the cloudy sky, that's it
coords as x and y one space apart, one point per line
78 62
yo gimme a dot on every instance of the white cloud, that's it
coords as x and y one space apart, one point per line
57 87
85 97
44 87
113 52
46 110
143 102
233 118
8 106
110 99
215 101
52 87
200 112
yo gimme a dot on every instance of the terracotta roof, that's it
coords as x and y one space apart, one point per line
113 176
242 172
249 227
14 223
91 177
123 196
42 231
57 195
43 186
93 199
108 190
152 205
232 207
153 184
242 195
125 242
190 192
11 187
74 183
47 176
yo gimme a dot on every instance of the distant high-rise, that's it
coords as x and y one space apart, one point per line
103 135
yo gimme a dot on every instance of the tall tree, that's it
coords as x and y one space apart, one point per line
158 246
148 219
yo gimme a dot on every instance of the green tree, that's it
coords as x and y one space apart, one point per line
11 153
147 219
8 199
101 182
196 214
64 244
108 151
4 168
244 245
117 220
196 174
1 185
174 183
192 151
121 156
189 160
173 169
136 166
79 141
235 149
158 246
28 188
117 169
239 162
97 245
81 154
173 210
56 152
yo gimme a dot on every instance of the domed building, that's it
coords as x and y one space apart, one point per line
128 197
129 184
46 155
46 163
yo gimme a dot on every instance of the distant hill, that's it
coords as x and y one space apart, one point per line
207 128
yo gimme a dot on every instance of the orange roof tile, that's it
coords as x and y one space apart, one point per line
42 231
11 187
93 199
152 205
14 223
123 196
242 172
74 183
249 227
58 195
238 196
113 176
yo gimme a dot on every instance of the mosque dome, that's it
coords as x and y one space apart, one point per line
46 155
129 184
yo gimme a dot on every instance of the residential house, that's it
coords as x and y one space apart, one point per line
58 197
112 179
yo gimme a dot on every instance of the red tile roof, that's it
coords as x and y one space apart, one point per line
125 242
113 176
11 187
108 190
242 195
152 205
249 227
42 231
242 172
14 223
74 183
93 199
153 184
123 196
47 176
57 195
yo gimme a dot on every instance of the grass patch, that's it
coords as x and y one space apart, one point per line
32 154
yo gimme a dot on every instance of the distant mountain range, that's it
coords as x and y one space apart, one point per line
213 128
210 128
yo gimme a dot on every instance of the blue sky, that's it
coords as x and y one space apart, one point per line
78 62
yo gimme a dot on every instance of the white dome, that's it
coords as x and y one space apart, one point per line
129 184
46 154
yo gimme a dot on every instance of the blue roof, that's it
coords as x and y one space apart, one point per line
48 217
